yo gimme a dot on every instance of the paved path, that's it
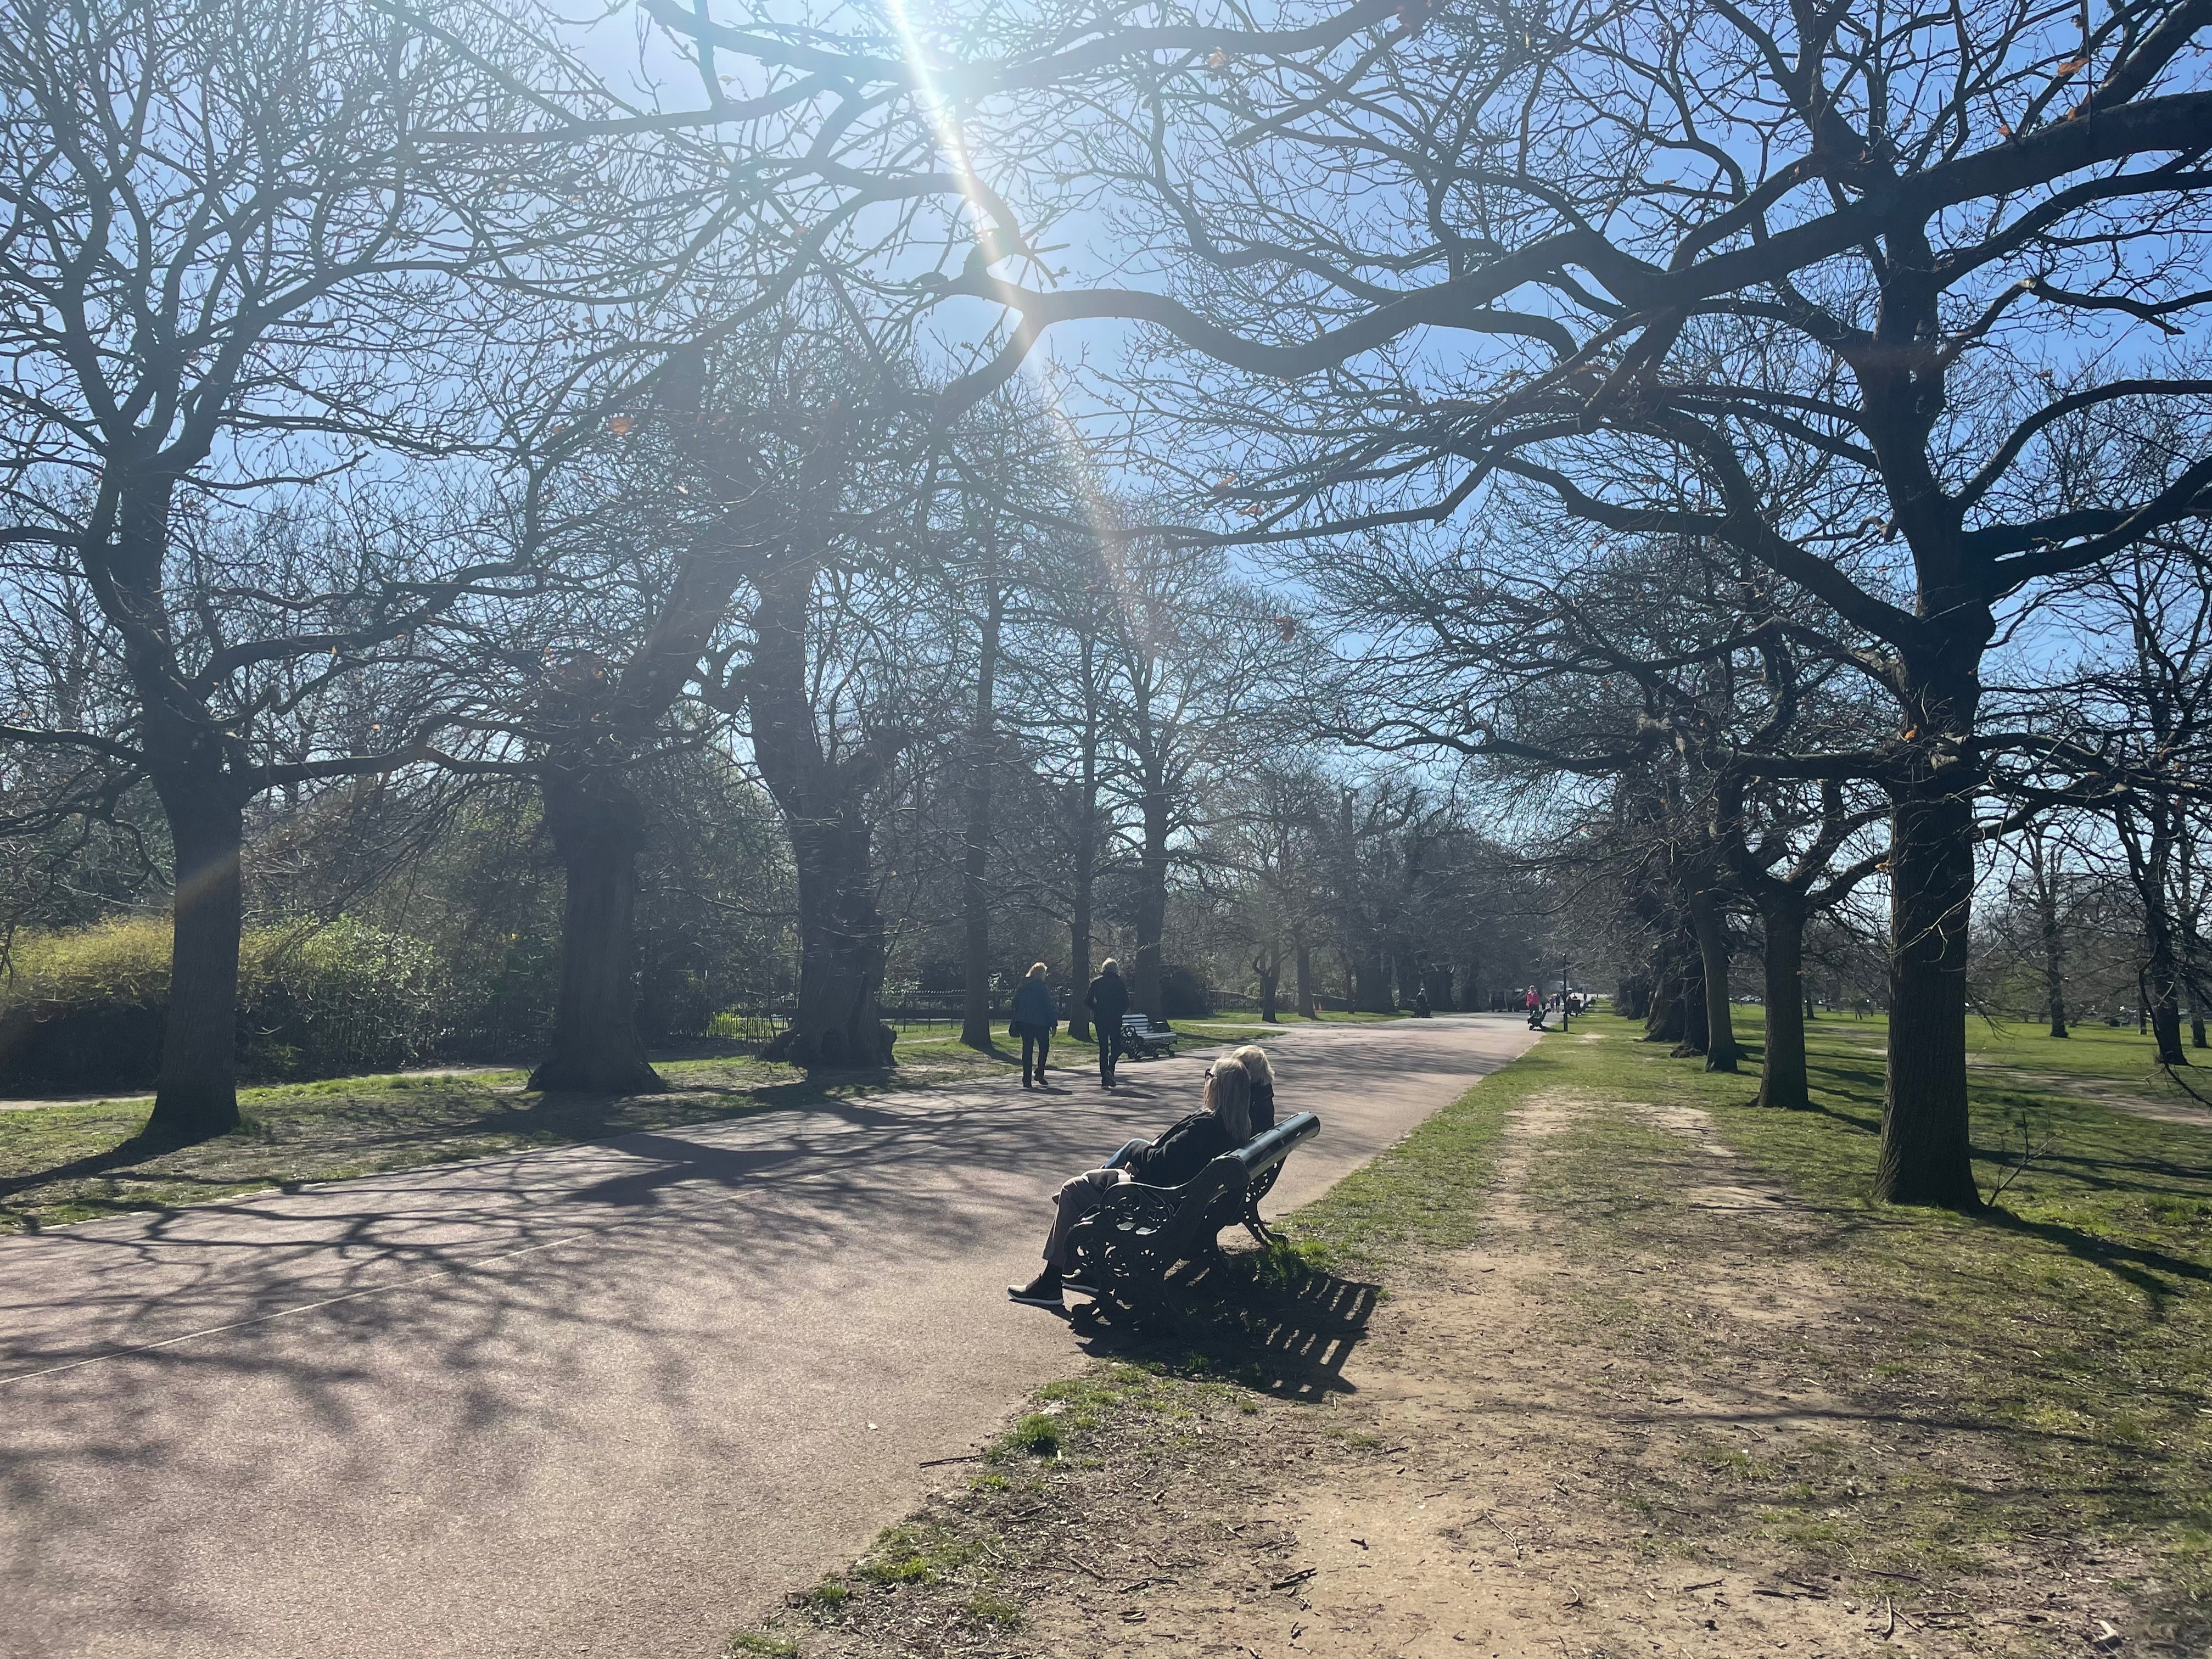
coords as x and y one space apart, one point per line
603 1400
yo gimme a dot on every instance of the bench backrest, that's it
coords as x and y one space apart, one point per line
1136 1021
1271 1146
1254 1158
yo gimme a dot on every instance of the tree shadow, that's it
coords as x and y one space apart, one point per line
2137 1264
140 1148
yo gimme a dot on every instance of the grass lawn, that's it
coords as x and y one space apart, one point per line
75 1163
2068 1327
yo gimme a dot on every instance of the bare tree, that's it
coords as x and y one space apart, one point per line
1659 237
251 244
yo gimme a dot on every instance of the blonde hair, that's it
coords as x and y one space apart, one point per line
1110 966
1254 1059
1038 970
1229 1098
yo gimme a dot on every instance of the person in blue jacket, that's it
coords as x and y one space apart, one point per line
1037 1016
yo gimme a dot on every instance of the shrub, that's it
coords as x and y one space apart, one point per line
323 1001
1184 993
83 1010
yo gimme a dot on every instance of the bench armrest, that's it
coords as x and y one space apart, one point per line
1129 1150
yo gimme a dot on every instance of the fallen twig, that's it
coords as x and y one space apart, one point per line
938 1462
1511 1537
1297 1577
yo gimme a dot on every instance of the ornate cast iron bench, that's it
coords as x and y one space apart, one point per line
1124 1248
1140 1037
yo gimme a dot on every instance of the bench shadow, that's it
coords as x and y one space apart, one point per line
1290 1340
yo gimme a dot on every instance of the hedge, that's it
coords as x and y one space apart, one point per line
82 1010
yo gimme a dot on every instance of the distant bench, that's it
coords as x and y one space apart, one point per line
1140 1037
1124 1248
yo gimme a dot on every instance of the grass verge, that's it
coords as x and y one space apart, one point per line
60 1164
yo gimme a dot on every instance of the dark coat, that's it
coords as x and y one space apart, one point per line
1035 1012
1183 1151
1109 999
1263 1108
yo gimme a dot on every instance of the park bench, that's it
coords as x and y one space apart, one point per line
1125 1247
1140 1037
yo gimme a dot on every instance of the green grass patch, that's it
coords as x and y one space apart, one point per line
985 1608
918 1552
826 1600
2067 1330
1427 1191
60 1164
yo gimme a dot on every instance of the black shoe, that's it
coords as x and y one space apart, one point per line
1076 1279
1042 1291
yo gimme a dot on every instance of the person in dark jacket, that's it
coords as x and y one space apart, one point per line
1037 1016
1254 1059
1108 1000
1221 1125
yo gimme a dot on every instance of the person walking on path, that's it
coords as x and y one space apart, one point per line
1108 1000
1037 1016
1221 1125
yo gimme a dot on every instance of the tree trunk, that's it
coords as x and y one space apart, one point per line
841 931
2054 948
597 828
2162 992
1078 954
975 855
1302 961
841 966
1632 996
1663 1016
197 1094
1151 904
1782 1075
1437 983
1086 859
1926 1155
1271 974
1696 1033
1712 927
1370 984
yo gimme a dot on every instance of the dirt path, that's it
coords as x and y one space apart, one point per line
1630 1421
